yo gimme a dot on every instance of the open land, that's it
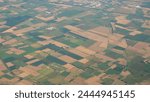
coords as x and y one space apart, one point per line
65 42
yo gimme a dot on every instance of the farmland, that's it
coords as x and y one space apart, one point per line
74 42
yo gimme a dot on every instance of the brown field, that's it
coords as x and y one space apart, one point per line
15 80
71 68
84 61
10 29
1 73
135 33
104 58
29 70
16 51
1 40
118 51
69 77
146 12
23 75
113 66
42 8
125 10
9 64
136 50
52 52
33 61
78 81
96 47
45 18
146 24
24 82
104 45
74 73
118 26
2 66
93 81
57 80
125 73
75 51
85 34
29 56
118 82
25 30
5 81
142 45
61 19
16 72
45 37
122 61
10 42
67 59
36 45
122 20
46 42
85 50
102 31
58 43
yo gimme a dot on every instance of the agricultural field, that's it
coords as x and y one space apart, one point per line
74 42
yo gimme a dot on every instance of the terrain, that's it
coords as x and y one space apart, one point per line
74 42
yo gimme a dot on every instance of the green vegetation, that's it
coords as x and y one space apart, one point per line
79 65
74 41
140 37
146 4
113 54
107 81
139 70
11 21
71 12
